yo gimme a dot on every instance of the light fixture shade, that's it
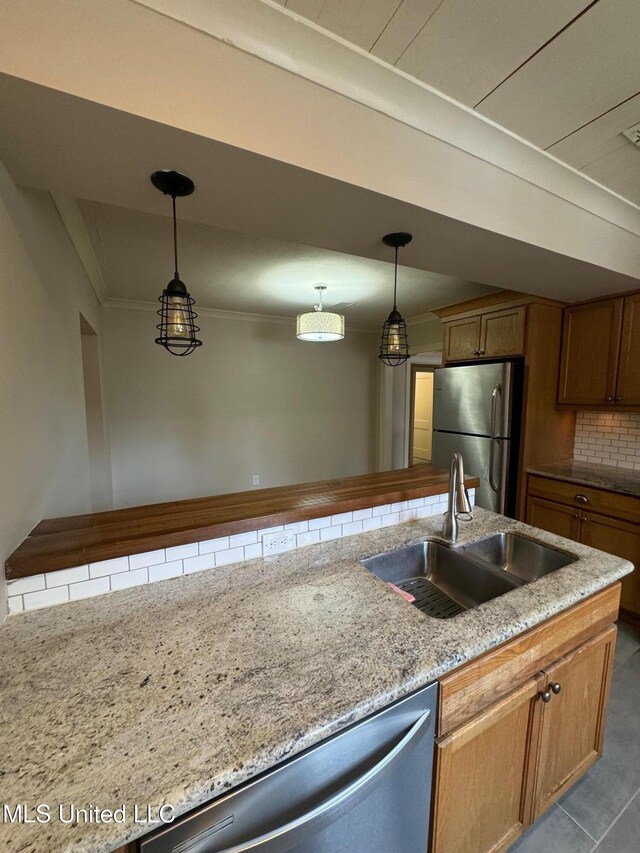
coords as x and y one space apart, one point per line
320 326
177 327
394 345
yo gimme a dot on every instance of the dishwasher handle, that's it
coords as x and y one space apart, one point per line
284 837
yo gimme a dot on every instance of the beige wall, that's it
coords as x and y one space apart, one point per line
43 453
251 400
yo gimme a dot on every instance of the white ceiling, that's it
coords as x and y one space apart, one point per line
563 74
233 271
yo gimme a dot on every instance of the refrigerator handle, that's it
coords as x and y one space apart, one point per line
494 409
497 392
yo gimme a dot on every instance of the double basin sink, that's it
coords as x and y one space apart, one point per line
445 581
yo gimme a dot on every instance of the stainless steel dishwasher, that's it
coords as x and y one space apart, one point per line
364 790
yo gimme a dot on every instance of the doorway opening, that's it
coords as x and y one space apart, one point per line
421 414
98 450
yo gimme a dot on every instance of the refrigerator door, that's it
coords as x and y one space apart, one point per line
475 400
483 457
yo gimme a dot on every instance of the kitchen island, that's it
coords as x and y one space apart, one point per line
177 691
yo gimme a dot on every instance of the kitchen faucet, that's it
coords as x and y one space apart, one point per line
458 501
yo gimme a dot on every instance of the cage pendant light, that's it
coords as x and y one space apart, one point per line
319 325
394 346
177 330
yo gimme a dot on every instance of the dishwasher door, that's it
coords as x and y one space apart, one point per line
365 790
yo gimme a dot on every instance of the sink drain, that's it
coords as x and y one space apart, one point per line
430 599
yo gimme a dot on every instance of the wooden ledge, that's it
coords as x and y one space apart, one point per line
62 543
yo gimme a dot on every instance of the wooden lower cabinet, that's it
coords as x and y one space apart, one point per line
558 519
572 724
621 538
500 770
481 798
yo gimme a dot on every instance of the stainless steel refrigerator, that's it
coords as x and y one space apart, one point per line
477 412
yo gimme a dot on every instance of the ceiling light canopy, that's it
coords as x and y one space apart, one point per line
394 346
177 328
319 325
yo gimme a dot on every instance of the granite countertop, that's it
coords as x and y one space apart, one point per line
177 691
608 477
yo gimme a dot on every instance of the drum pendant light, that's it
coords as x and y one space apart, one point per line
177 328
394 346
319 325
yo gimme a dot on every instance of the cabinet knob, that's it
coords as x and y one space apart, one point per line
556 687
480 352
545 695
609 399
582 499
476 352
618 399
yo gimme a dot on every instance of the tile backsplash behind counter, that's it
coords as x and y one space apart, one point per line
608 438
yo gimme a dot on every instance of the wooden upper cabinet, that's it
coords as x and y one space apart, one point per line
628 384
462 339
482 789
502 332
572 726
590 347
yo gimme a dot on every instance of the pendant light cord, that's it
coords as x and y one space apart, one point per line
175 237
395 280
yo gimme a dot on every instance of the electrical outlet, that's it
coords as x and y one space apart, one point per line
256 479
276 543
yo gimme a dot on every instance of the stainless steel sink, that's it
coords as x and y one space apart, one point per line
516 555
444 582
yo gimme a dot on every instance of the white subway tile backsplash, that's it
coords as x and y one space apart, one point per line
46 597
135 577
87 589
351 528
608 438
310 538
233 555
213 545
16 604
109 567
181 552
32 584
122 572
165 570
198 564
67 576
239 540
149 558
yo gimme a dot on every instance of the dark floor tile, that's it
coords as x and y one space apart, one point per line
627 644
600 795
624 835
554 833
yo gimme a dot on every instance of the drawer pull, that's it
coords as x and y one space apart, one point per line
582 499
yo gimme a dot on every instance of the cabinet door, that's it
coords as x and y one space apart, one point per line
482 790
556 518
572 725
628 387
462 339
590 346
621 538
502 332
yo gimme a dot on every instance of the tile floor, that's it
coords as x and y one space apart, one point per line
602 812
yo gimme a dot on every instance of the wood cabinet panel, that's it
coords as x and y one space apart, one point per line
628 385
572 724
556 518
462 339
481 795
502 332
621 538
478 684
590 347
598 500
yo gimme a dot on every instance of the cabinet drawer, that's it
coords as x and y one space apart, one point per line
626 507
478 684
